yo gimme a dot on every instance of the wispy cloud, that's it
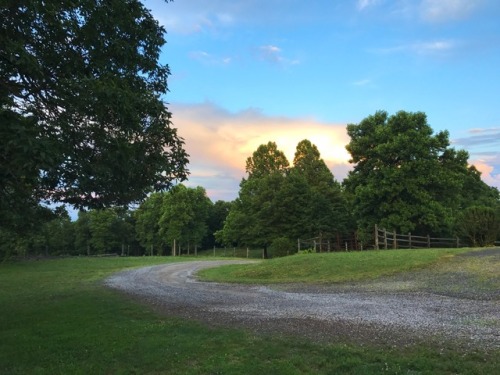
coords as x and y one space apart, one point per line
219 142
274 54
481 137
210 59
435 48
362 82
363 4
447 10
483 145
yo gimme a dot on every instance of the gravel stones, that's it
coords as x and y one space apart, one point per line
391 311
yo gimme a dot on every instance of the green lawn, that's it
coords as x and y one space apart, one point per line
330 267
56 318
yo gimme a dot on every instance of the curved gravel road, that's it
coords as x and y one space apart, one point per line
385 317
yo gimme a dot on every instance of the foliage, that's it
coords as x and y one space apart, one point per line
147 223
184 216
279 201
281 247
406 177
479 225
82 117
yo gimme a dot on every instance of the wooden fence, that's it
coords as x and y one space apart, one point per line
392 240
337 242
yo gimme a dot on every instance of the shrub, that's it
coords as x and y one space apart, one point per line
281 247
479 225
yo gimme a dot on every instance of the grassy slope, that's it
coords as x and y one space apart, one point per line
329 267
56 318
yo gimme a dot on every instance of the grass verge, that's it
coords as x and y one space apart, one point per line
56 318
330 267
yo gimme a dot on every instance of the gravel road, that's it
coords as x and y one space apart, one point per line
391 315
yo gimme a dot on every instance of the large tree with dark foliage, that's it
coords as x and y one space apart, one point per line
82 117
407 178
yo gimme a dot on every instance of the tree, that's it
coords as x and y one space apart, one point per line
147 225
327 212
405 177
256 217
216 217
184 216
83 121
267 159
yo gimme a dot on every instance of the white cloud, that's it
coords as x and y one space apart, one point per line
436 48
209 59
273 54
219 142
363 4
446 10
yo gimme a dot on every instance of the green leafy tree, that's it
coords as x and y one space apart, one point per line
217 216
258 216
83 121
147 223
327 212
184 216
266 160
83 234
405 177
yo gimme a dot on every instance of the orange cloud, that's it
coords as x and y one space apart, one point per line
486 170
219 142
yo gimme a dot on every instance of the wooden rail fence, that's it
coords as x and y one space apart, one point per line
392 240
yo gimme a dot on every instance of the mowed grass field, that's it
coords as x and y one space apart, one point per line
57 318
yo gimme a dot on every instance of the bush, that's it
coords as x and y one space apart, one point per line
479 225
281 247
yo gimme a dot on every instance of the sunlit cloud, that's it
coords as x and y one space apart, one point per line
219 142
446 10
489 173
483 145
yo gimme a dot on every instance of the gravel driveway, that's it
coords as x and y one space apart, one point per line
389 315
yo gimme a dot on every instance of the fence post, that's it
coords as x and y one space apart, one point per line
247 252
385 239
298 245
458 242
394 240
376 237
429 241
409 239
214 250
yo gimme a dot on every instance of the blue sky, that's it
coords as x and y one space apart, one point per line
247 72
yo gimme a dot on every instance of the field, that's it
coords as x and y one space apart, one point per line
57 318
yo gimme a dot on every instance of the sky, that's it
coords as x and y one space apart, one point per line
251 71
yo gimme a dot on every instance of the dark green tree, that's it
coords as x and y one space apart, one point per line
184 217
217 216
83 121
259 214
405 177
327 212
147 223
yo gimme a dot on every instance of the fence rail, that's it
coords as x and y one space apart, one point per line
392 240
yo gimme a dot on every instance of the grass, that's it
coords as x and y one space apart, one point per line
56 318
330 267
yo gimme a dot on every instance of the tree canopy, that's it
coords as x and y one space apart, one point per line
278 202
405 177
83 119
